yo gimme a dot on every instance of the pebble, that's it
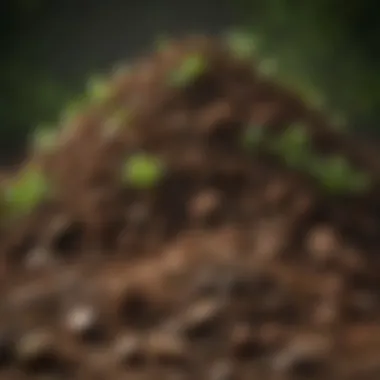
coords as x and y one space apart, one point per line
167 348
130 351
304 356
322 243
222 370
201 321
84 322
36 352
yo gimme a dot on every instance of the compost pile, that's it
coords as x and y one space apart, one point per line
201 223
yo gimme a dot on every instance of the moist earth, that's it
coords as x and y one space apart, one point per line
231 265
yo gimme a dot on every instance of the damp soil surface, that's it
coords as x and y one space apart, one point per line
231 266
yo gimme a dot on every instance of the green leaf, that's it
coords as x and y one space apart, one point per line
293 145
26 191
45 138
189 70
142 171
98 88
242 45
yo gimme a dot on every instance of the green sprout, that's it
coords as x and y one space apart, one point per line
142 171
293 145
242 45
26 191
98 89
45 138
189 70
337 176
73 109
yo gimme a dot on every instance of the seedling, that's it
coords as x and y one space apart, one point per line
293 146
188 71
73 109
337 176
45 139
26 191
142 171
242 45
98 89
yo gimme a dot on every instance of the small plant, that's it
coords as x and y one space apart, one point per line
44 139
189 70
98 89
73 109
337 176
25 192
142 171
242 45
293 145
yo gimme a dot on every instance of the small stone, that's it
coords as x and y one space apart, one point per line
38 258
167 348
322 243
222 370
130 351
204 204
271 238
84 321
36 353
202 320
305 356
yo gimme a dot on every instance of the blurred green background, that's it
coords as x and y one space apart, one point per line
326 49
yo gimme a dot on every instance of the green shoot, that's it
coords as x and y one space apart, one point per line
337 176
189 70
73 109
45 138
98 89
25 192
142 171
242 45
293 146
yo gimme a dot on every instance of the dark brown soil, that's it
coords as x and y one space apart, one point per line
232 267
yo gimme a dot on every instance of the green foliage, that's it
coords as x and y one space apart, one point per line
25 192
243 45
293 146
98 89
142 171
337 176
45 138
189 70
334 174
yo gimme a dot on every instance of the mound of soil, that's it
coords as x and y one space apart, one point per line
230 266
